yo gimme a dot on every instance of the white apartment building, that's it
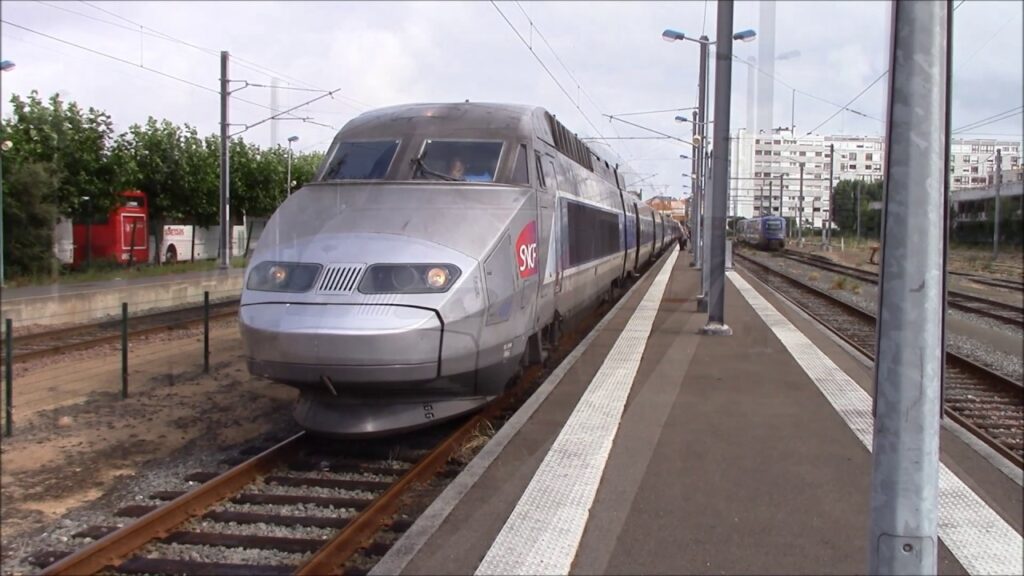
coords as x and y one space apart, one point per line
766 169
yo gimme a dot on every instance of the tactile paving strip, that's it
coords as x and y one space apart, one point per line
982 541
542 534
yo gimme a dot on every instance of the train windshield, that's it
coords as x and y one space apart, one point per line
773 225
458 160
368 160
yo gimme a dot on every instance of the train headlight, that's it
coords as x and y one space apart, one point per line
437 277
408 278
282 277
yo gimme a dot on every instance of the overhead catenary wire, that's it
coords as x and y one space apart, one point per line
140 66
237 60
990 120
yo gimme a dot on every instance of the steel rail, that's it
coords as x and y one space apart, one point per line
956 365
1003 312
117 545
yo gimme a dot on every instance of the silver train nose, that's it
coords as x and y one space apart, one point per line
360 343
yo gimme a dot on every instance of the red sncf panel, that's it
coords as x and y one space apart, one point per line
526 250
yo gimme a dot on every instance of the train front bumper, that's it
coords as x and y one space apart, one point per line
302 344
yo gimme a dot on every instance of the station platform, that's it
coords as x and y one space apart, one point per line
654 449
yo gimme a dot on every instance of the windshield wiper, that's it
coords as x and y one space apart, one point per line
423 167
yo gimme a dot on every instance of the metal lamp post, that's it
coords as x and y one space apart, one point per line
5 66
700 128
291 140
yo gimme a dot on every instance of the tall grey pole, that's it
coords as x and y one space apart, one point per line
782 196
858 210
909 363
2 283
695 171
702 81
800 206
288 182
225 166
770 194
705 272
831 197
999 184
720 174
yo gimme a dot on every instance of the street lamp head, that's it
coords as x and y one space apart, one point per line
684 157
682 119
745 35
6 65
6 145
670 35
293 138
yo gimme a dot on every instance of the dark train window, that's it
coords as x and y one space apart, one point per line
540 173
133 202
593 233
472 161
521 173
361 160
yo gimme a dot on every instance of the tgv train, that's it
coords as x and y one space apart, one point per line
766 232
435 253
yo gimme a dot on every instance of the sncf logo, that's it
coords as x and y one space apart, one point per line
526 250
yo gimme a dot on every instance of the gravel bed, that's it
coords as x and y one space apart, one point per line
990 323
864 296
293 509
1010 366
221 554
341 475
263 488
134 489
206 525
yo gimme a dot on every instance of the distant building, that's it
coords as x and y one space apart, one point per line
766 170
677 208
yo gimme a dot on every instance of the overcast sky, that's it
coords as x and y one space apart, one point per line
609 57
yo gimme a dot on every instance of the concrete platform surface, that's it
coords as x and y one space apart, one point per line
707 454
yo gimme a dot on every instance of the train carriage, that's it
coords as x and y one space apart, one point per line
766 232
435 252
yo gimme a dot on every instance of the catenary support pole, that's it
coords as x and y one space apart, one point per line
695 183
800 206
858 209
225 165
698 158
720 174
770 195
831 197
705 272
909 364
995 220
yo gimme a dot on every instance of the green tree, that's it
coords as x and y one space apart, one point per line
845 210
29 216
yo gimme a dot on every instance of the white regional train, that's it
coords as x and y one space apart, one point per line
435 253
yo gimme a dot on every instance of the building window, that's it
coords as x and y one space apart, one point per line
868 156
853 155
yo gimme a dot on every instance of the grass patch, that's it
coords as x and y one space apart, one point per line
840 283
477 439
813 277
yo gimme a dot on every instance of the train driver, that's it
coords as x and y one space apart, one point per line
458 171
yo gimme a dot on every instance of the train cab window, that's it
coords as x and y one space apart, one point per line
540 173
134 202
521 171
458 160
368 160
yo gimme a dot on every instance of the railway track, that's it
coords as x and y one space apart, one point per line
261 511
54 342
1008 283
1006 313
988 404
297 490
